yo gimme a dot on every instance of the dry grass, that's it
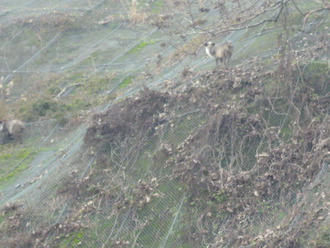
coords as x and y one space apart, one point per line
137 15
2 110
189 48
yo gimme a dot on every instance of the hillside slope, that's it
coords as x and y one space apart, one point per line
134 139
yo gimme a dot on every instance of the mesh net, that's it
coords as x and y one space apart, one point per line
128 197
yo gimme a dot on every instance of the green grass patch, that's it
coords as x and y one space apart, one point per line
140 46
72 99
72 240
316 74
95 85
126 81
262 43
158 227
21 154
321 236
32 111
2 219
95 56
157 6
14 163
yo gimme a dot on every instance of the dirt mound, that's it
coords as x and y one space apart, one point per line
132 117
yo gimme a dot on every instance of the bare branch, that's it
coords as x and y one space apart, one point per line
65 89
313 12
281 7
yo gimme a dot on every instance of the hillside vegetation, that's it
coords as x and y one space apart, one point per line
135 139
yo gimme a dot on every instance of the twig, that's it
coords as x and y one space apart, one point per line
65 88
312 12
294 3
257 24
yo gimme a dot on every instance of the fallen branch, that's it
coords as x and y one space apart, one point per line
65 89
313 12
